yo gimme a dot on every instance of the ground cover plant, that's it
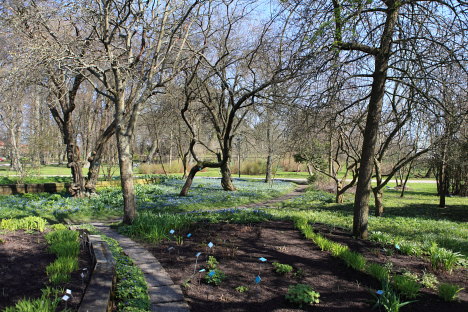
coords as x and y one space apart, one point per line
206 194
413 223
35 267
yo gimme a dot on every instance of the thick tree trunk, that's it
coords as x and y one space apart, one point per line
15 152
269 167
189 180
379 208
74 163
443 183
126 175
226 179
361 202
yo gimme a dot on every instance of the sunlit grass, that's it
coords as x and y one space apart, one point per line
413 218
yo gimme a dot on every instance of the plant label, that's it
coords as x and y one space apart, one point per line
262 259
198 254
202 270
68 292
172 231
210 244
258 279
189 235
211 273
65 298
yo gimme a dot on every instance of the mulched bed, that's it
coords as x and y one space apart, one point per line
23 261
238 247
374 252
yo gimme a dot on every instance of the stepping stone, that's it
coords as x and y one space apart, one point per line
165 294
170 307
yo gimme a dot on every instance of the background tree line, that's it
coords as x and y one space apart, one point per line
354 90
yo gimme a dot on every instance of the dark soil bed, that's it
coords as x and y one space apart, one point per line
238 247
23 261
375 252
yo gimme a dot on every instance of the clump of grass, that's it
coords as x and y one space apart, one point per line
155 227
442 258
449 292
337 249
59 236
282 268
407 286
59 270
27 223
353 260
64 243
41 304
388 299
378 271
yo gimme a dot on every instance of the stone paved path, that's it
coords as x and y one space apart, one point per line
164 295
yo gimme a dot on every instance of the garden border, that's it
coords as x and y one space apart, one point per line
98 293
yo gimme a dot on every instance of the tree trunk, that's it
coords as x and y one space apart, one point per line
403 184
74 163
361 202
184 160
443 183
126 175
379 208
95 158
226 179
339 193
269 167
15 153
189 180
152 152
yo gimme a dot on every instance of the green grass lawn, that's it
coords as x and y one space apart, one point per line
415 217
205 194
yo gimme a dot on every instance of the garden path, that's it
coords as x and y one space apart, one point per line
165 296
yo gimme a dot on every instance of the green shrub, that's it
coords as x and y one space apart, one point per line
378 271
449 292
211 263
406 286
214 278
301 294
282 268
